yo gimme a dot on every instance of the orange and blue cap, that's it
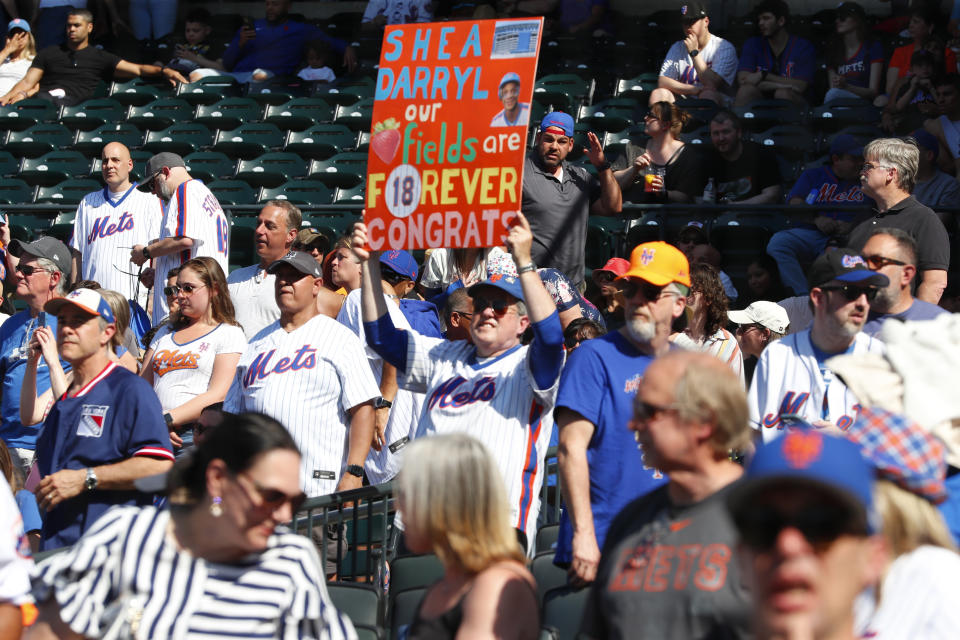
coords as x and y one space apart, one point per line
658 263
87 300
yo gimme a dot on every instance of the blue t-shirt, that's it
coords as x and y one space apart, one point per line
919 310
115 417
797 60
27 503
830 189
856 68
15 336
422 316
599 382
277 47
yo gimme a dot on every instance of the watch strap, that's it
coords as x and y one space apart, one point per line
527 267
355 470
695 53
91 482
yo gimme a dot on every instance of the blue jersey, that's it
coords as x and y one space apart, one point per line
829 190
797 60
114 417
599 382
14 338
856 68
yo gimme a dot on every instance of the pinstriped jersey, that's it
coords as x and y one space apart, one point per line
495 400
721 344
307 379
193 212
107 225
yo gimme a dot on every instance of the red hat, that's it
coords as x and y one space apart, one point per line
616 266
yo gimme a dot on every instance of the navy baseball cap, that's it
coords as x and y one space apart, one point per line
805 456
299 260
87 300
692 11
505 283
559 120
843 266
926 140
508 78
401 262
846 144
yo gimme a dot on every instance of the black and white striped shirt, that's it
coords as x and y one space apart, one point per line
126 578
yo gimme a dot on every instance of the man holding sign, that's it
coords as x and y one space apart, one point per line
558 197
496 389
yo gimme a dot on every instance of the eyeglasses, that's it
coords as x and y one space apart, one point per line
820 524
604 277
186 288
879 262
869 166
27 270
851 292
500 307
651 292
644 411
273 499
465 314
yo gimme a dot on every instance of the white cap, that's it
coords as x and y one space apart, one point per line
768 314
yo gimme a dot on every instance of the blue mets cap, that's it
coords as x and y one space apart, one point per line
505 283
845 266
401 262
559 120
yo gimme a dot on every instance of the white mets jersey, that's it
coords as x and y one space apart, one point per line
495 400
307 380
193 212
790 380
404 414
106 227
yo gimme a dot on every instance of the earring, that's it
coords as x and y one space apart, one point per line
215 509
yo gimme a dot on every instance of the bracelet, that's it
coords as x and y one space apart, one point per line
527 267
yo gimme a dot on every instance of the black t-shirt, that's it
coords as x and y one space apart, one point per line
745 177
923 225
76 72
684 173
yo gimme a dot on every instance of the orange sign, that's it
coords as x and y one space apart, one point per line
445 167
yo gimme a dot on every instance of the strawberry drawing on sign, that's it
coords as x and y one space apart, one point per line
386 139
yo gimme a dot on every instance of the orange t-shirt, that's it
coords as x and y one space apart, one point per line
901 59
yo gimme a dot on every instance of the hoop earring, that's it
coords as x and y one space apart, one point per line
216 510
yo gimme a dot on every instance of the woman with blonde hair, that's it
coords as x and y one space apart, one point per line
453 503
18 53
192 361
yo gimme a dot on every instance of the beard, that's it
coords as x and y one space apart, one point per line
640 330
165 192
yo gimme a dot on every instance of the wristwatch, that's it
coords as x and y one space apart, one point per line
527 267
695 53
382 403
146 252
355 470
91 481
168 419
603 166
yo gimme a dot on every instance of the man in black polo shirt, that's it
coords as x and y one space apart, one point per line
888 176
559 197
743 172
68 73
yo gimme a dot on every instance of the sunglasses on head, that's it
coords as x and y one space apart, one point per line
500 307
852 292
879 262
27 270
651 292
820 524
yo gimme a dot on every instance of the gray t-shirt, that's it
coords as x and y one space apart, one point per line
669 572
941 190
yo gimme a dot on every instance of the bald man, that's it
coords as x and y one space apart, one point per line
109 222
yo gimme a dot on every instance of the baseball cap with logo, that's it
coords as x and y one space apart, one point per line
843 266
44 247
762 312
692 11
505 283
87 300
557 122
658 263
155 165
306 237
18 23
401 262
299 260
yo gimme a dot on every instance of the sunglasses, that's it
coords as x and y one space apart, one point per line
604 277
852 292
28 270
500 307
879 262
186 288
465 314
819 524
651 292
744 328
273 499
645 411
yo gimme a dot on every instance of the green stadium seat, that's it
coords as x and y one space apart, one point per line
233 192
248 140
271 169
209 90
8 164
603 117
547 536
648 228
638 88
844 112
183 139
320 141
701 112
564 91
788 140
15 191
615 142
93 113
137 92
160 114
403 610
411 572
351 195
299 114
761 115
342 95
68 191
357 116
363 141
563 610
54 167
62 227
210 165
548 575
361 603
228 113
298 192
25 114
91 143
342 170
700 136
38 140
275 91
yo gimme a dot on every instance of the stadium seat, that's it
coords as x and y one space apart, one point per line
210 165
843 112
228 113
361 603
209 90
342 170
248 140
548 575
615 143
54 167
299 114
298 192
38 140
365 632
15 191
409 572
647 228
8 164
91 143
93 113
564 91
271 169
137 92
357 116
62 227
639 88
605 117
403 610
14 118
760 115
789 140
563 610
352 195
276 90
546 537
160 114
701 111
320 141
342 95
32 111
700 135
601 241
233 192
68 191
182 139
363 141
